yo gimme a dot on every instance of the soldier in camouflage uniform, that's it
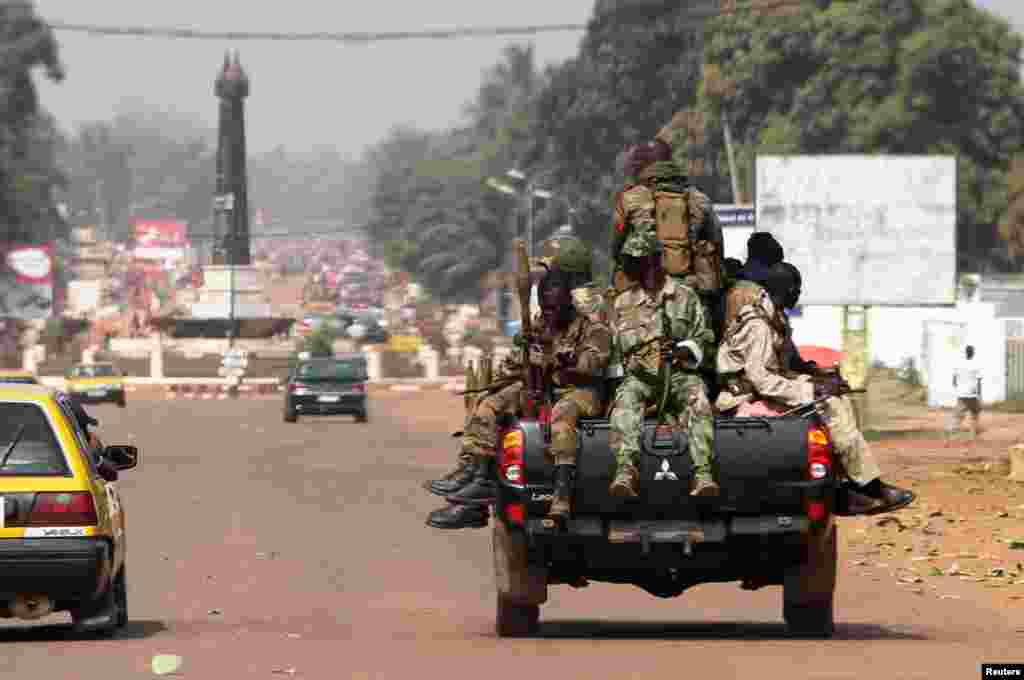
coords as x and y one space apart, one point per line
644 345
759 383
573 315
650 167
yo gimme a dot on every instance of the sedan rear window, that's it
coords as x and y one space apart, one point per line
27 442
333 370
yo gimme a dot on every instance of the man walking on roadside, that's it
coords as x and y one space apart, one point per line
967 382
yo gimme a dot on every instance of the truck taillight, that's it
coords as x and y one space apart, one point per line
819 466
74 509
516 513
512 469
819 454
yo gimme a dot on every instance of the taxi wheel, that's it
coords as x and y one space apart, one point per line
290 416
113 606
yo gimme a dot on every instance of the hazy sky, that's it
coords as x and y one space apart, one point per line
305 94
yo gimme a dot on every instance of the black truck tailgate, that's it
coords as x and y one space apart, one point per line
761 466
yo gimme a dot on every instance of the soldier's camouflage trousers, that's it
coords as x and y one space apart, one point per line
687 407
853 451
480 436
570 407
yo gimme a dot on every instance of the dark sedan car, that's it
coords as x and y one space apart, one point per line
328 386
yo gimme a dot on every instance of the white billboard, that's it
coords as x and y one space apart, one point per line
864 230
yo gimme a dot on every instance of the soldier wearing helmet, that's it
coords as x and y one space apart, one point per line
573 317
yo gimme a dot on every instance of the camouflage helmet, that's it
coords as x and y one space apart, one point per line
569 254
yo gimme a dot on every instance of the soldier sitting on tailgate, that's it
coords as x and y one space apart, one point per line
572 315
756 382
662 334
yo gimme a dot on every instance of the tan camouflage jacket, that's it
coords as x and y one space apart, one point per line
750 360
639 327
588 338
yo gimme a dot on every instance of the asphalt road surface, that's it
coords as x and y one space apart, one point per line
259 549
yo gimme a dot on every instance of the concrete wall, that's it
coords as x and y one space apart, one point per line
898 333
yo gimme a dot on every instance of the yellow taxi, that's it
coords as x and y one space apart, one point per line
62 524
95 383
18 377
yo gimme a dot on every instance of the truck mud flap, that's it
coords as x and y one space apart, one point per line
666 531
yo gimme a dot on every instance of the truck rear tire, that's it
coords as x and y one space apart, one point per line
522 584
809 588
516 620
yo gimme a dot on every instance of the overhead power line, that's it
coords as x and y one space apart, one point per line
348 37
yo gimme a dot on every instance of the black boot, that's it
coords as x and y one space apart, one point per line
459 517
561 504
453 481
873 498
483 490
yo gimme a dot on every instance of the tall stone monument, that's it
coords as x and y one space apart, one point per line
232 200
232 287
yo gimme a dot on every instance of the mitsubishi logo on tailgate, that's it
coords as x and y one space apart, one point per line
665 473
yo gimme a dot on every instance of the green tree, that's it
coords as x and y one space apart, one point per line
878 76
320 343
28 137
637 66
144 163
434 215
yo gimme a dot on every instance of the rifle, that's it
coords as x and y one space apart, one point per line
492 387
812 406
534 374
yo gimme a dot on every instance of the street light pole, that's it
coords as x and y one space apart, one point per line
529 220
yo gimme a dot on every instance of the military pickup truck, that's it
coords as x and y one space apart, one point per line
773 524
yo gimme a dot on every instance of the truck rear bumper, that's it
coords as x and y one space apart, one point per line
672 531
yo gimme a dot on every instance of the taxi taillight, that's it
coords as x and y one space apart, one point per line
74 509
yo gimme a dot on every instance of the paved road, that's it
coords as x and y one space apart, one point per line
265 550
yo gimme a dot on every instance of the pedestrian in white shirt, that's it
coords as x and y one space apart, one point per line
967 382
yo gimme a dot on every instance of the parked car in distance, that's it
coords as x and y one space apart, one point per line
327 386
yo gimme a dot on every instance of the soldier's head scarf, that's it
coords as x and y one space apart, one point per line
554 292
796 285
639 156
780 283
763 252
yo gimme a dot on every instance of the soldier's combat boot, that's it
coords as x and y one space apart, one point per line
483 490
459 517
876 498
454 480
626 481
704 486
562 502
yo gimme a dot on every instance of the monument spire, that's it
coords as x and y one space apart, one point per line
232 87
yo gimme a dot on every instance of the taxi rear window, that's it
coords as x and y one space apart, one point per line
27 442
